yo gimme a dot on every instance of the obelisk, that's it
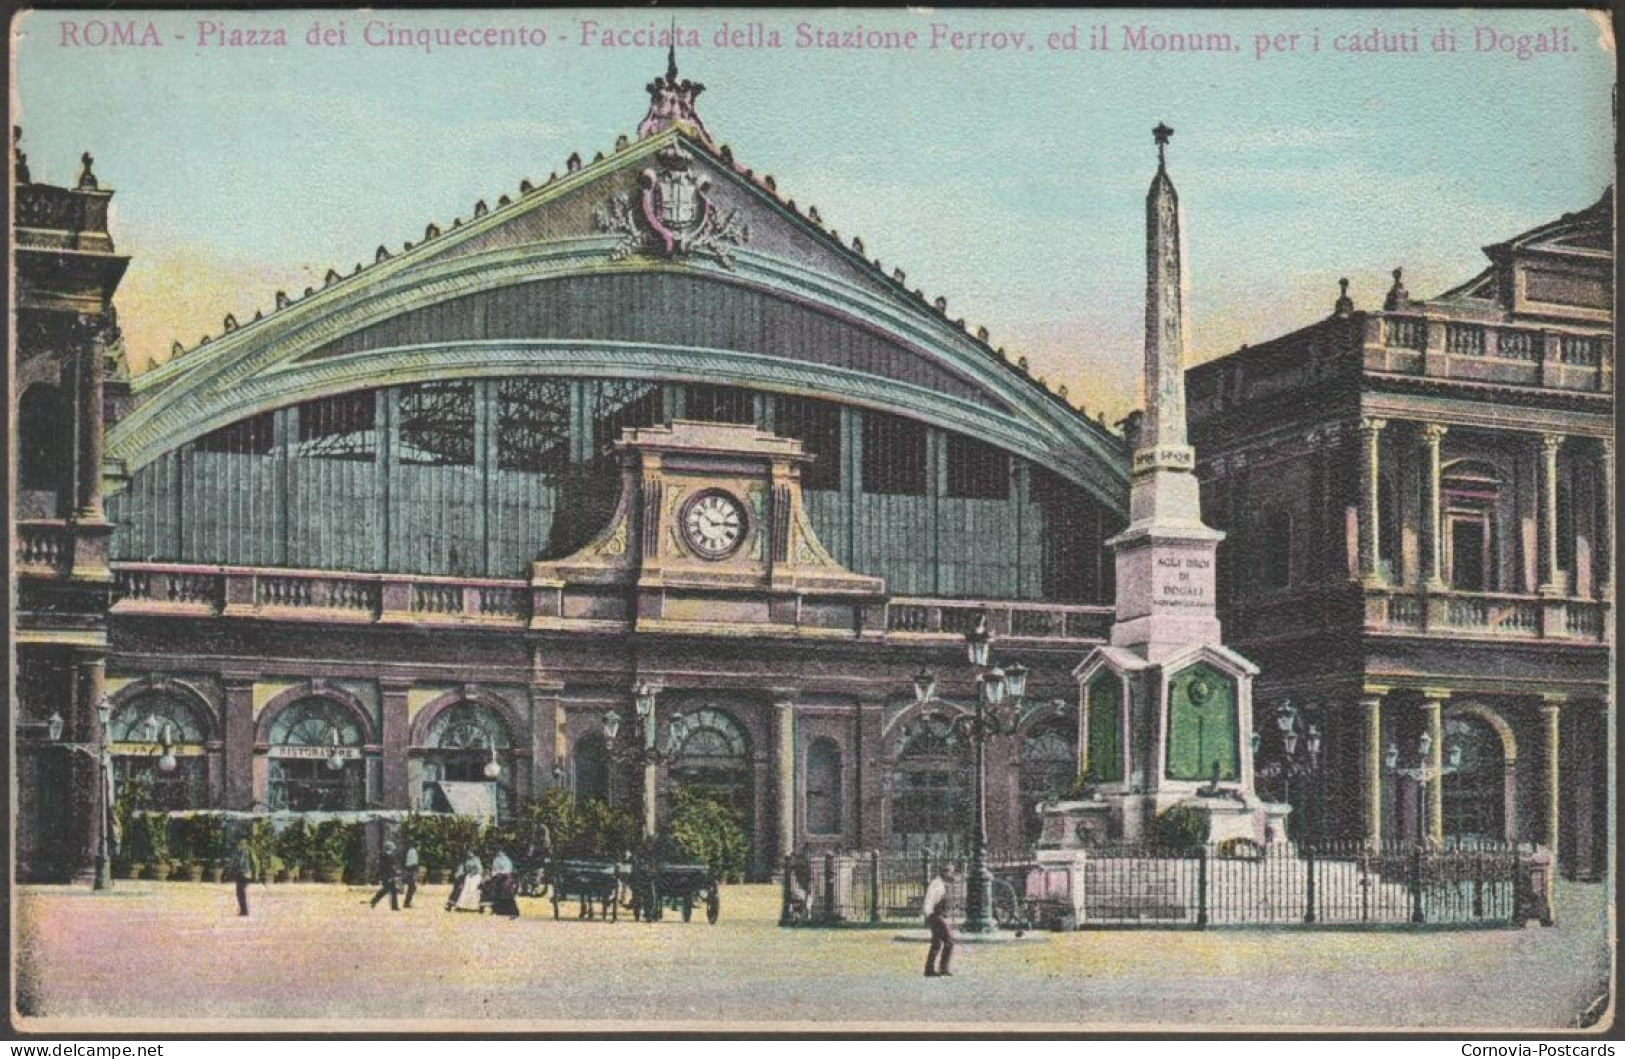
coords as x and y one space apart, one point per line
1165 558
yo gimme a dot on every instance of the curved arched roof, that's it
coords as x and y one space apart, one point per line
545 285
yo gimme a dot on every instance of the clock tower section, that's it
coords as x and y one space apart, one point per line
709 536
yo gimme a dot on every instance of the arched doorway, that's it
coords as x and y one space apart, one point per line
139 730
930 797
1049 767
1478 793
714 759
459 748
316 760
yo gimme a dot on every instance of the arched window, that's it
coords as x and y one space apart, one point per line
139 730
930 798
591 761
715 758
1049 765
824 808
461 742
316 761
42 429
1475 794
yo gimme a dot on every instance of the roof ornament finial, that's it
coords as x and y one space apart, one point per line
1398 297
87 179
671 100
1345 304
20 169
1162 133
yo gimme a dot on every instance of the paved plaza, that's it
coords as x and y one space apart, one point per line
148 954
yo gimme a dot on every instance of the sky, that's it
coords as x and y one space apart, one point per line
1009 177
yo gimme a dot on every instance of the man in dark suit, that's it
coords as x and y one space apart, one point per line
243 872
388 873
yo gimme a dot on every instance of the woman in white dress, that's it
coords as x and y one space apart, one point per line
465 891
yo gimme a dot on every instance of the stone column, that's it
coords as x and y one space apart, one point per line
397 743
1551 709
1370 510
1605 533
239 742
1433 717
545 752
90 684
88 418
1433 514
1550 577
869 757
784 778
1371 763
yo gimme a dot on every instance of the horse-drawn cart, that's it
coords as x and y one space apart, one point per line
659 888
590 883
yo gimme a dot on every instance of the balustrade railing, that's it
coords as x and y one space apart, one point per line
1033 621
1517 345
1582 350
1453 613
1406 334
1464 340
44 546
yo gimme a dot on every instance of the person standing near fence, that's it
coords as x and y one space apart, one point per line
388 876
411 865
935 906
244 870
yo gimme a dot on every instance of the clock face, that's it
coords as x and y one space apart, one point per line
714 524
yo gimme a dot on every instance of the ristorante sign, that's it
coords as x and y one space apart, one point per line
316 752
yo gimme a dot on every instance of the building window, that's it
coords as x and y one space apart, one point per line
977 470
1470 493
459 747
139 731
342 427
254 436
1475 795
620 405
930 798
817 425
1074 563
1049 766
824 788
42 426
437 424
893 455
714 762
1275 550
591 766
533 425
307 738
720 404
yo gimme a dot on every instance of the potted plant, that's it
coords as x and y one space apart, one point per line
184 852
293 850
211 843
133 797
153 845
262 846
327 848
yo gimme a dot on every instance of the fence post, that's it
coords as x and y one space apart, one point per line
1416 884
1201 886
874 886
785 917
830 912
1309 860
1365 883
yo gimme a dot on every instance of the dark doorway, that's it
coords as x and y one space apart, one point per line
1469 554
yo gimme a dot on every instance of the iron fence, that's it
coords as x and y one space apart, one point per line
1229 884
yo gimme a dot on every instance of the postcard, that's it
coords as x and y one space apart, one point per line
700 520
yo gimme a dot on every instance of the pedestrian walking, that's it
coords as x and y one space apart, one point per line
465 888
388 877
244 870
410 873
503 886
938 897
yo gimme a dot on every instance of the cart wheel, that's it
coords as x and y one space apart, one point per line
688 907
713 905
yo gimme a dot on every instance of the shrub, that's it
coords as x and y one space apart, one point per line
355 854
423 831
262 847
711 831
328 844
209 838
182 840
1240 849
607 833
555 811
293 846
150 838
461 835
1181 827
134 796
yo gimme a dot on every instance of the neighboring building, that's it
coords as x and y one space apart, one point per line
1419 504
69 363
390 529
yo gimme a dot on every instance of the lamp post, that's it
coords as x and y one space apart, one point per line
642 746
1423 775
986 722
102 752
1293 764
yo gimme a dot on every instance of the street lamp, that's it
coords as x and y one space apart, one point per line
1292 764
335 760
642 745
493 767
994 685
101 751
1423 774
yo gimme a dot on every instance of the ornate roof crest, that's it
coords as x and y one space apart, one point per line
673 214
671 101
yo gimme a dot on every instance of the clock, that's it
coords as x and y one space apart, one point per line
714 524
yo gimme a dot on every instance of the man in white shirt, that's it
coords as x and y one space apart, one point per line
935 907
